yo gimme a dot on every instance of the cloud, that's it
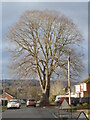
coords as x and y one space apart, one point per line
0 69
45 0
78 12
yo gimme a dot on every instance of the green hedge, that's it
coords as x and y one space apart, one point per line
85 104
52 98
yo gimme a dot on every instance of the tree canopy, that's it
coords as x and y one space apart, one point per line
42 41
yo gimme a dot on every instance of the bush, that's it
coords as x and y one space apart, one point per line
85 104
73 107
79 106
52 98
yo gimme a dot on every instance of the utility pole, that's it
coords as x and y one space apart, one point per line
69 89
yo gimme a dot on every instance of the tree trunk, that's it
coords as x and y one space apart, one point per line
45 96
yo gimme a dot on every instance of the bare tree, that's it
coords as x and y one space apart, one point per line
57 88
41 42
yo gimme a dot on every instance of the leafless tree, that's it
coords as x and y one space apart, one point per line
57 88
41 42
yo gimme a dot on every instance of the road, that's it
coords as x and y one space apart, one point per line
32 112
0 115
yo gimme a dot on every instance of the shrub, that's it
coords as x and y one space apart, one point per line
85 104
52 98
79 106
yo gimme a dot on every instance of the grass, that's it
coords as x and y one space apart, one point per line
4 108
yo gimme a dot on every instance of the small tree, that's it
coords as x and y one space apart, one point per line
41 42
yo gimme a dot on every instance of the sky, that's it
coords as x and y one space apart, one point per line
44 0
0 41
11 11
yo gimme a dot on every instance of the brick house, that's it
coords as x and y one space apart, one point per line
87 92
83 88
6 96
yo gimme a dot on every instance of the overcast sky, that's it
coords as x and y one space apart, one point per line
11 12
44 0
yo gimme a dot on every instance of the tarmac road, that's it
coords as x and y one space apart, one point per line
30 112
34 112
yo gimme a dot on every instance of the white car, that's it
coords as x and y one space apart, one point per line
57 99
13 104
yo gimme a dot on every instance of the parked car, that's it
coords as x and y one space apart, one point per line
14 103
62 99
22 101
75 101
57 100
31 102
84 100
38 103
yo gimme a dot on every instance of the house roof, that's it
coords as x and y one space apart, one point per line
8 94
87 80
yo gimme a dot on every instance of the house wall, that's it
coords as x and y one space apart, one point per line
77 95
77 88
82 94
88 86
87 94
83 87
82 90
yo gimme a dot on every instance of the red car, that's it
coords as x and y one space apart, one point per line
62 99
31 102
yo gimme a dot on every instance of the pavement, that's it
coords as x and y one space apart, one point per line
0 116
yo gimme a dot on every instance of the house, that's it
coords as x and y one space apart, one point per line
83 88
6 96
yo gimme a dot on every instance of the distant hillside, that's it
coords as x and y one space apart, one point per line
34 82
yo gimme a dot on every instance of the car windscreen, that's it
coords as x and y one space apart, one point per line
13 101
31 100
